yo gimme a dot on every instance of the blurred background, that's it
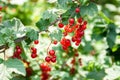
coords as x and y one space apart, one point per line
94 49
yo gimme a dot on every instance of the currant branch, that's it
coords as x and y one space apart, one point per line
25 37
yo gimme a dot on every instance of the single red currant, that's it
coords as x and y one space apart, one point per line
33 55
71 21
77 44
34 50
1 8
53 60
29 71
47 59
17 47
79 20
36 42
76 54
67 42
77 10
73 39
70 30
55 42
15 55
52 52
72 70
54 56
73 61
19 51
64 47
65 33
61 25
85 22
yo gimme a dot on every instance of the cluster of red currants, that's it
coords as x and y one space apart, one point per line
79 32
17 52
65 43
45 71
34 50
29 70
51 56
73 62
77 27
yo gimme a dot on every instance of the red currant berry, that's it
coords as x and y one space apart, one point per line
55 42
17 47
72 70
77 10
65 33
76 54
73 61
49 69
53 60
1 8
64 47
71 21
19 51
52 52
36 42
83 27
54 56
34 50
29 71
68 42
79 20
70 30
85 22
61 25
16 55
77 44
73 39
47 59
33 55
66 28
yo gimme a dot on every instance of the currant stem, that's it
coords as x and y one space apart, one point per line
48 47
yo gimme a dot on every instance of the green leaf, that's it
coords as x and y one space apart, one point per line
64 3
7 31
96 75
56 35
43 24
10 66
98 33
15 65
67 14
105 17
111 34
91 9
113 73
2 41
61 74
9 23
14 23
35 77
4 72
32 34
49 15
11 29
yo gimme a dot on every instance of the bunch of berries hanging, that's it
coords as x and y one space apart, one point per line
45 71
76 27
17 52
